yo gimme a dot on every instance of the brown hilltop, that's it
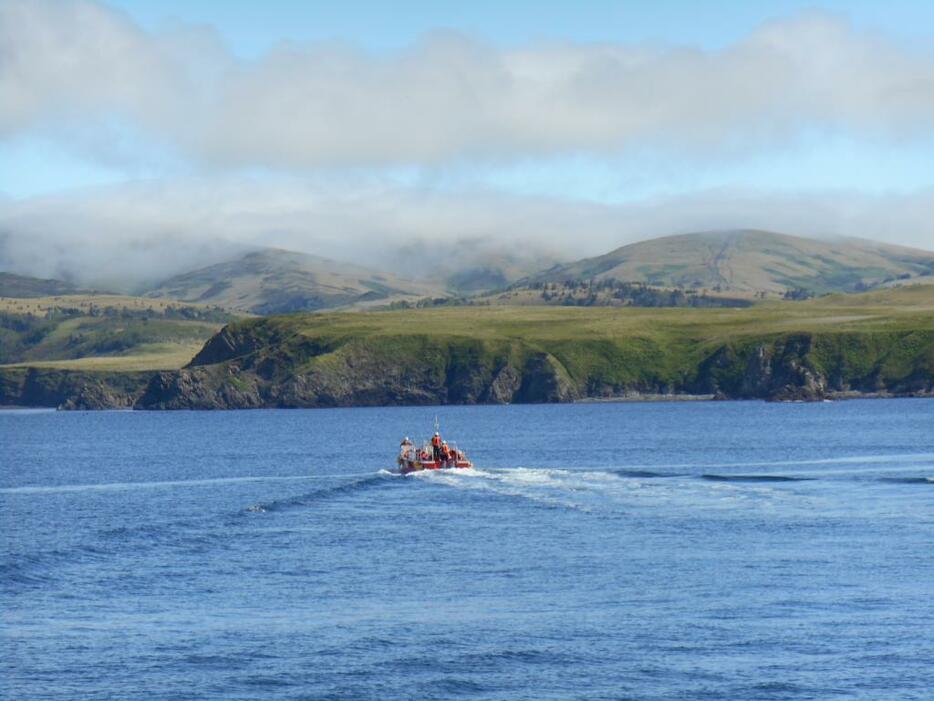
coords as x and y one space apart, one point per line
750 261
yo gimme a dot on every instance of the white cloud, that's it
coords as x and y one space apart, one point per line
131 235
73 63
86 75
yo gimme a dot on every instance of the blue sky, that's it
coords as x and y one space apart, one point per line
623 110
43 160
253 27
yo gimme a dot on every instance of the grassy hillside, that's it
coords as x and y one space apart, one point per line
877 342
103 332
492 354
750 262
273 281
905 307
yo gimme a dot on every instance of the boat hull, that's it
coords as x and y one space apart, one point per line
407 466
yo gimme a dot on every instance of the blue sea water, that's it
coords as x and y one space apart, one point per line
721 550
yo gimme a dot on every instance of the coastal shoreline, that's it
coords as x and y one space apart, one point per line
631 398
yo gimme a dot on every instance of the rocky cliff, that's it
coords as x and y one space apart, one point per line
242 371
360 373
817 366
467 356
70 389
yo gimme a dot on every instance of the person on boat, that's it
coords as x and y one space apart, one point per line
445 453
405 449
436 445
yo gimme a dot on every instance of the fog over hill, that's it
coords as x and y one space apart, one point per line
135 152
130 238
751 261
273 281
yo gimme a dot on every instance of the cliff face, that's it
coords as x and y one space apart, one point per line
361 373
267 363
238 369
816 366
68 389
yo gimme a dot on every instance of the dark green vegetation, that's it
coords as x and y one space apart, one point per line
750 262
880 343
844 345
103 332
273 281
71 389
610 292
704 320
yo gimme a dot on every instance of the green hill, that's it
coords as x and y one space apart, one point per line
103 332
881 342
274 281
783 350
750 261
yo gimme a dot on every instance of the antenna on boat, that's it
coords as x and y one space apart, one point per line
437 427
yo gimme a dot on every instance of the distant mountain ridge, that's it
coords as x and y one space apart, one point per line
708 266
749 261
24 287
275 281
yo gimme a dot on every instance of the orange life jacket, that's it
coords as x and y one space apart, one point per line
436 441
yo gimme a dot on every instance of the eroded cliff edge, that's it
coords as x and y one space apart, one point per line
250 365
506 356
71 389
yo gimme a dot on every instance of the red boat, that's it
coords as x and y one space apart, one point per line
434 454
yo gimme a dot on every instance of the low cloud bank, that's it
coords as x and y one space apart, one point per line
90 80
130 236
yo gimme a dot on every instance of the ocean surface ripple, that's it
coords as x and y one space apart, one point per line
719 550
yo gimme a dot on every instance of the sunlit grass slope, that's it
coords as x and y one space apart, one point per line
884 310
103 332
881 342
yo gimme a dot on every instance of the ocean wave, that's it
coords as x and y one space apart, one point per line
121 486
615 490
309 498
895 458
754 478
42 567
908 480
546 487
646 474
604 491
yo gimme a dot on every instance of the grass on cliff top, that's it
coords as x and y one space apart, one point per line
165 356
643 330
907 308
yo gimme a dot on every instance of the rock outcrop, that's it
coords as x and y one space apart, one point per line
403 371
237 371
262 364
811 367
69 389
